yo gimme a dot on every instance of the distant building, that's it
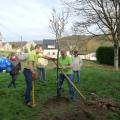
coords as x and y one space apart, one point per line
18 44
49 44
90 56
38 42
7 47
29 46
0 36
50 48
1 44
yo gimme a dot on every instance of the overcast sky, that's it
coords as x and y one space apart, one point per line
26 18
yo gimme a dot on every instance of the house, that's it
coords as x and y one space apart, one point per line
38 42
18 44
90 56
50 47
1 44
4 46
49 44
29 45
7 47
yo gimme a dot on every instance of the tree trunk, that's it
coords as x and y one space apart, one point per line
57 41
58 63
116 56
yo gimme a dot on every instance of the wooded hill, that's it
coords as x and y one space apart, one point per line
85 44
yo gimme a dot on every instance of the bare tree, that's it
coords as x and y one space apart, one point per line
104 15
75 31
57 25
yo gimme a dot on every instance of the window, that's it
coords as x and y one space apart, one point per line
48 53
53 53
51 46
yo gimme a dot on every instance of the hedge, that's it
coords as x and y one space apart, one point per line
105 55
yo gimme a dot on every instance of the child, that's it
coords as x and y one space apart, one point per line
16 67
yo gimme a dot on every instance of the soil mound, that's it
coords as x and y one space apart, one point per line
63 109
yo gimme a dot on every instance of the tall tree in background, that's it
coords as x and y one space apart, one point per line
104 15
75 31
57 25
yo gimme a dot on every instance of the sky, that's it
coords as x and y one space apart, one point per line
26 18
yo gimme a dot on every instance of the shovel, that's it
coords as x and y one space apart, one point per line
33 89
61 69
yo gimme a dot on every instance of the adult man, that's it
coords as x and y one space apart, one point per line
28 71
77 63
41 68
65 62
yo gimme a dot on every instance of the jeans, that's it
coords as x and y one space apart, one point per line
41 73
28 78
78 75
60 82
14 77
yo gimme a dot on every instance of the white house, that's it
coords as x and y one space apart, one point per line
90 56
7 47
28 45
1 44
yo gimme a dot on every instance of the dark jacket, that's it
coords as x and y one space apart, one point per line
15 69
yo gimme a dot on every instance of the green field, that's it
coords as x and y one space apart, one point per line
101 80
4 53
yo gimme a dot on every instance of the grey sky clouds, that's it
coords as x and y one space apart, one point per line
26 18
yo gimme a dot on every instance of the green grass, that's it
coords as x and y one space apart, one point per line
102 80
4 53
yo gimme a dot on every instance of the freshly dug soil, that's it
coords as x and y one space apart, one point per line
63 109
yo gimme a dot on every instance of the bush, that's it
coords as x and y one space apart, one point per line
105 55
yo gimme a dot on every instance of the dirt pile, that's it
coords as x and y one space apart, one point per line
64 109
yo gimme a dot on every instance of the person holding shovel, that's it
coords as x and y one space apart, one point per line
65 63
30 73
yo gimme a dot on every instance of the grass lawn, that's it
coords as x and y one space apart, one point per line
99 79
4 53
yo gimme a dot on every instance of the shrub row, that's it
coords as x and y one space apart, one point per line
105 55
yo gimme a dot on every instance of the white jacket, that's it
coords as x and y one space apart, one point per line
77 63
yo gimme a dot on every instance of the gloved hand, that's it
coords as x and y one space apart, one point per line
50 58
63 67
34 76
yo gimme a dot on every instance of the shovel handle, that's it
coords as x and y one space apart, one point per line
33 92
70 81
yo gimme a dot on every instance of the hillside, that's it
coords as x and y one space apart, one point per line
83 43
